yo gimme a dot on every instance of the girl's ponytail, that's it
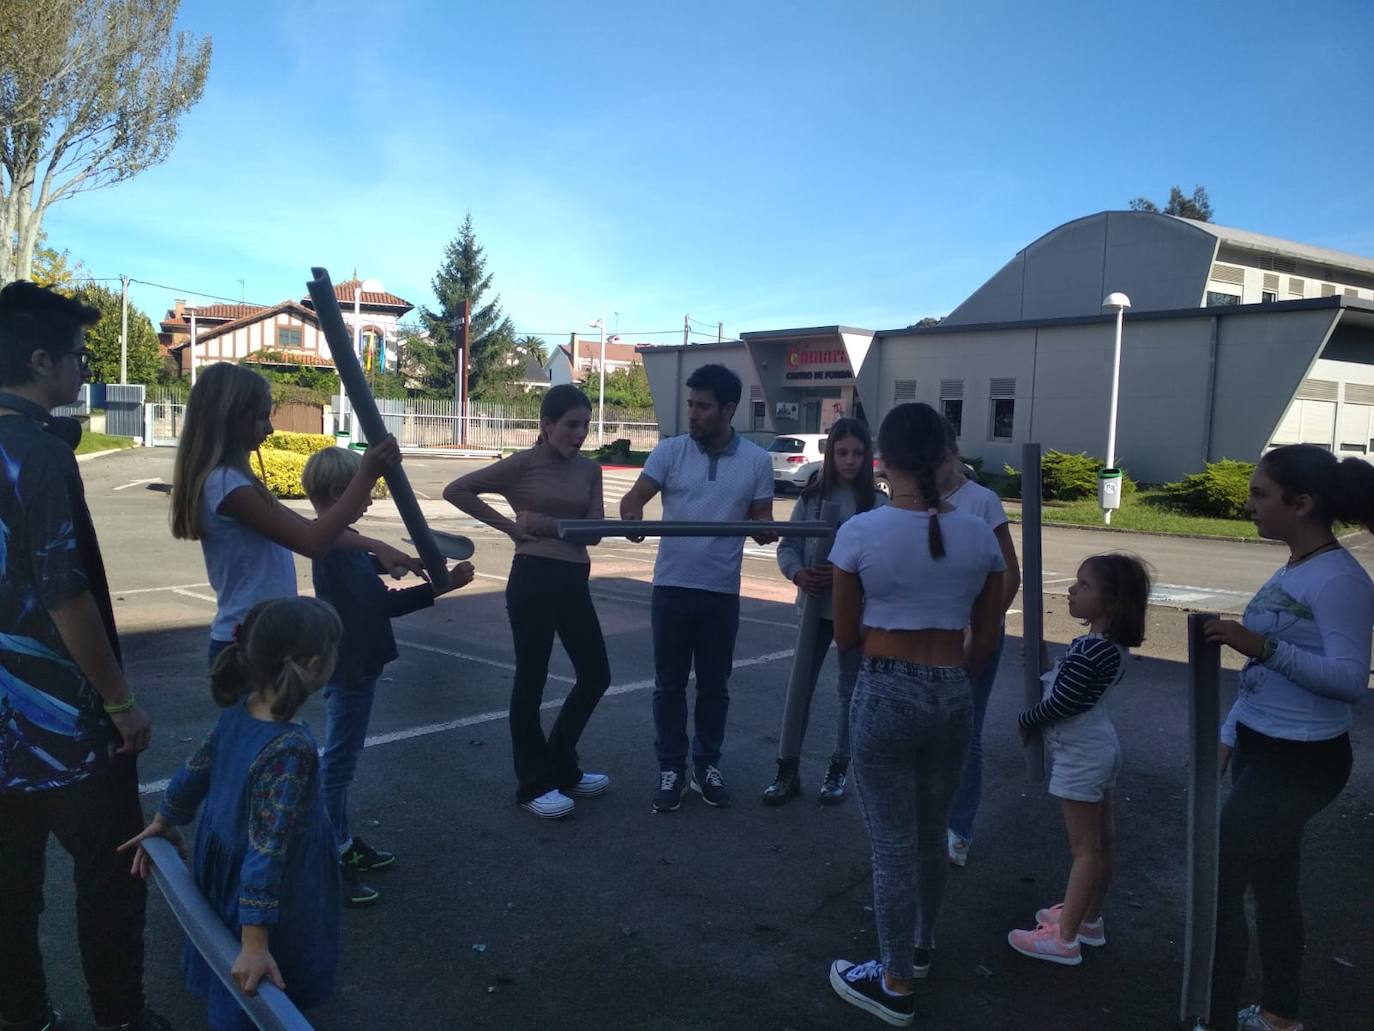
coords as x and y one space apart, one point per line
930 494
1353 499
230 677
290 689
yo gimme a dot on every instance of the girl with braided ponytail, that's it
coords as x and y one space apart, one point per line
265 856
909 579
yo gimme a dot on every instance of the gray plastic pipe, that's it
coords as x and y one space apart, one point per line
270 1009
794 708
588 529
1204 820
1032 599
365 409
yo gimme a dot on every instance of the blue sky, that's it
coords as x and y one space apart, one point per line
764 164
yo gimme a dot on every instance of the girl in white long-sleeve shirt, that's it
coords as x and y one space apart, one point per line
1307 636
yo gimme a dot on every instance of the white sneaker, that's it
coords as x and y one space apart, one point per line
551 805
958 848
591 785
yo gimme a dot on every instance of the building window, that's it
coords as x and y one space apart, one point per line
757 416
1003 417
1268 296
952 408
288 338
1001 408
1216 299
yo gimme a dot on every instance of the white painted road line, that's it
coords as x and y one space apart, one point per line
154 590
424 730
192 594
135 483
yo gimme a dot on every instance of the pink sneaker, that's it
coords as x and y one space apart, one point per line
1089 933
1043 943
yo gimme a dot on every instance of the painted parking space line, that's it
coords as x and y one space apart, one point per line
426 729
193 594
135 483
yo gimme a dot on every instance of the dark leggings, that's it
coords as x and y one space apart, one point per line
1277 786
547 597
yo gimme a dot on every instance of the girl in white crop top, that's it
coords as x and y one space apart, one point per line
921 573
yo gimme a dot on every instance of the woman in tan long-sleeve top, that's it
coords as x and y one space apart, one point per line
546 595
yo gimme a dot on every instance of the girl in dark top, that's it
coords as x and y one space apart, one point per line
264 855
548 595
1110 595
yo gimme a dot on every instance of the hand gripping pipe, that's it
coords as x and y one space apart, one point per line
270 1009
794 708
591 529
1204 820
365 410
1032 599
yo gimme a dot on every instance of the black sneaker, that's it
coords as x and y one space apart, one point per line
707 781
862 986
363 858
51 1022
147 1021
786 785
356 894
670 791
832 791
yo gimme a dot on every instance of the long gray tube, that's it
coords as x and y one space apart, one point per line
1204 821
1032 598
365 409
794 708
584 529
270 1009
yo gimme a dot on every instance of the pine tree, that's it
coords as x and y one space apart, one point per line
491 335
1197 207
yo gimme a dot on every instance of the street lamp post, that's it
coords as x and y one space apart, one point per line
601 394
1109 481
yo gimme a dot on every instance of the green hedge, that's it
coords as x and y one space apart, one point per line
1065 476
1221 489
281 471
300 443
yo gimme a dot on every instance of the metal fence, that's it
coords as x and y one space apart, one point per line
491 426
164 423
81 406
124 412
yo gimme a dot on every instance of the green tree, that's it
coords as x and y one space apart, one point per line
625 388
144 359
90 95
491 335
55 268
1196 207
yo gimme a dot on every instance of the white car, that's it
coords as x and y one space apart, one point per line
796 458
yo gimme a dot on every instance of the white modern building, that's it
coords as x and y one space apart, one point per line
1235 341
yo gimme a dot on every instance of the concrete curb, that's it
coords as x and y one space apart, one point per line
1016 518
91 455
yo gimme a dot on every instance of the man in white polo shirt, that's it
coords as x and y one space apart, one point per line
711 474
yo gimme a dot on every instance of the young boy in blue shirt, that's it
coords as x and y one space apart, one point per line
348 580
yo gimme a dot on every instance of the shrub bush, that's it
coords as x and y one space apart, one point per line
1220 490
300 443
281 472
1065 476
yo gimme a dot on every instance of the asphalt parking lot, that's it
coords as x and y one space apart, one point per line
618 918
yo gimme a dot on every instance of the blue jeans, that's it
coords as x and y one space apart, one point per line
348 707
971 784
692 628
911 727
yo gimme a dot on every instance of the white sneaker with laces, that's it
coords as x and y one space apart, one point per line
590 785
551 805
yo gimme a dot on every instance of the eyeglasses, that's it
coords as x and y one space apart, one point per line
83 358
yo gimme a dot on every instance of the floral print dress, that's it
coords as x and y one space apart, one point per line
264 853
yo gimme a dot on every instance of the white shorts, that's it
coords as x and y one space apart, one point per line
1083 773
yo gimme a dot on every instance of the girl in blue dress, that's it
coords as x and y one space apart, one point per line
264 855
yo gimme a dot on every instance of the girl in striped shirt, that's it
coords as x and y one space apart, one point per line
1110 595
